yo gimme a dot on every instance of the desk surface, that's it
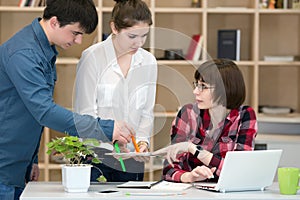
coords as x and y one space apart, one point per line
54 190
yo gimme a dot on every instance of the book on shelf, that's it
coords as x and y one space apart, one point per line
195 48
196 4
31 3
282 58
275 4
22 3
229 44
296 4
42 3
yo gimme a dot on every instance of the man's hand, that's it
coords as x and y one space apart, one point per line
123 149
122 132
35 172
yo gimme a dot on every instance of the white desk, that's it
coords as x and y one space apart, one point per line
54 190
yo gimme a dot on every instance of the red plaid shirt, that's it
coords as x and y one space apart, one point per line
236 133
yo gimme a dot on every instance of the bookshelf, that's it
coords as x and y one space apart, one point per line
263 32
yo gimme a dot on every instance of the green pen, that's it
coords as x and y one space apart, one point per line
117 148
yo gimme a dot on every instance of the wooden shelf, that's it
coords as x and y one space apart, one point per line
20 9
279 118
165 114
66 60
278 11
231 10
49 166
178 10
279 63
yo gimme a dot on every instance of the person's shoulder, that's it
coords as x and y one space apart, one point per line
22 41
146 54
246 108
190 109
95 46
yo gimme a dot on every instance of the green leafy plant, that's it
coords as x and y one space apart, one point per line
75 151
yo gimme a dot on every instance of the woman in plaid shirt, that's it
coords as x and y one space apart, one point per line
203 132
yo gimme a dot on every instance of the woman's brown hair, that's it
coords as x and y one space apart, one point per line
227 80
127 13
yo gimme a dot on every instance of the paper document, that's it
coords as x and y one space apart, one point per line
107 146
138 184
161 185
131 154
170 186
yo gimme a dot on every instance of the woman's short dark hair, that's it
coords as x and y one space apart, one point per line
127 13
72 11
227 79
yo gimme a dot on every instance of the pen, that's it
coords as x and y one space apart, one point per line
117 148
135 144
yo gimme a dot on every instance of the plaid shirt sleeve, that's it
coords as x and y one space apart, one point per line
238 134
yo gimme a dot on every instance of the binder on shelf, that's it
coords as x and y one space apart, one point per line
194 50
229 44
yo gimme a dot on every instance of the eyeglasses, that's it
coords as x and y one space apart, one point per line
201 86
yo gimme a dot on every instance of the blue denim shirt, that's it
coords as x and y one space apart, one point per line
27 79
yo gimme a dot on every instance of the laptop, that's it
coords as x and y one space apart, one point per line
244 171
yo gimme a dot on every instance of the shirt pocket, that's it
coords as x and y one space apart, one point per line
226 144
105 95
141 97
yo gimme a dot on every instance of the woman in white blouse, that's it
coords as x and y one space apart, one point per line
116 79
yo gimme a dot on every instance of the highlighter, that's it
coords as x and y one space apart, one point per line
117 148
137 149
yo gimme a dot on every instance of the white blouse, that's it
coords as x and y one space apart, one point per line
103 91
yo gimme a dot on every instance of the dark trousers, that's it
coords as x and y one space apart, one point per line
115 175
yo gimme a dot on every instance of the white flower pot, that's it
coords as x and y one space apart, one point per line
76 178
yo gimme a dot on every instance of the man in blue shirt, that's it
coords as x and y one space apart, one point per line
27 79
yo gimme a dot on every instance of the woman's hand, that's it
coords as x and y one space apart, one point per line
199 173
170 152
143 147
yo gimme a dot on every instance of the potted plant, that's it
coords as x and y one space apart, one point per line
76 172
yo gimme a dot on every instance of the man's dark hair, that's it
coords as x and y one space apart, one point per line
72 11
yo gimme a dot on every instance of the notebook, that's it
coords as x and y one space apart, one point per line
245 170
161 185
